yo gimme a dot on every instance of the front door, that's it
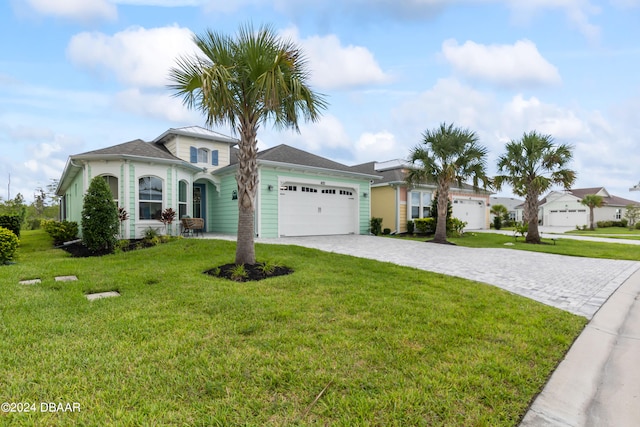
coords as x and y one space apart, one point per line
200 202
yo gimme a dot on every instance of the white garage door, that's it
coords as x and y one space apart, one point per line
310 210
567 218
470 211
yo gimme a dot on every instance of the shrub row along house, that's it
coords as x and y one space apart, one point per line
192 171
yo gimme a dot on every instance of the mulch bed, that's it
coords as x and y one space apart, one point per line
78 250
253 272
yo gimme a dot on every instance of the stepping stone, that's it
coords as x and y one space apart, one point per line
30 282
99 295
66 278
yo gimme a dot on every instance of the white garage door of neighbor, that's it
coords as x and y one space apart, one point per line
470 211
312 210
567 217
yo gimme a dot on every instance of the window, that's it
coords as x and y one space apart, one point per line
420 204
618 214
203 155
308 190
182 198
288 188
346 193
150 197
112 182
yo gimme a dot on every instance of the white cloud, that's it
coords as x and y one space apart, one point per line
76 10
161 106
326 134
335 66
380 146
578 13
137 56
504 65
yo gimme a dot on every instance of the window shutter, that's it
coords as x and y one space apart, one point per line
194 154
214 157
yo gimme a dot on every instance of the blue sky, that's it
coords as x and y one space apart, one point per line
77 75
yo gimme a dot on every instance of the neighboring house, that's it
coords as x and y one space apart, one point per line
396 202
192 170
511 204
564 208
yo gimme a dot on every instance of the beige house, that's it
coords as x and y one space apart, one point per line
396 202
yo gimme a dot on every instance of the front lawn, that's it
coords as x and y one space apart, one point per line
582 248
611 232
341 341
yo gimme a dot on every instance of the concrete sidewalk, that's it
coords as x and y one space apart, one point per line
598 382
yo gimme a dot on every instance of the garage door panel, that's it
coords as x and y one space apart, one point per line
316 210
470 211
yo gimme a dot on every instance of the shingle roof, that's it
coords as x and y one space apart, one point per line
137 147
388 175
611 200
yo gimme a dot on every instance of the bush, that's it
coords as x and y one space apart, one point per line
637 225
8 245
386 231
457 227
61 232
410 227
425 225
11 222
376 226
99 217
497 222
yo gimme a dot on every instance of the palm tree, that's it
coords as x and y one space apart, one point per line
246 81
499 212
592 201
531 166
448 155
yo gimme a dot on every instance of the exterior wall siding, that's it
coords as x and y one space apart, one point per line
383 205
184 143
224 209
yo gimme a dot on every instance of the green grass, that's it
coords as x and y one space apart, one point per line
581 248
389 345
611 232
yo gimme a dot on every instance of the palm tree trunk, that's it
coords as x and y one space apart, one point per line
591 225
247 178
443 205
531 212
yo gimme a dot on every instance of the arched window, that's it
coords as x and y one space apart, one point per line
112 182
182 198
150 197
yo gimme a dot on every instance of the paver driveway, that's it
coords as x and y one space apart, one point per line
578 285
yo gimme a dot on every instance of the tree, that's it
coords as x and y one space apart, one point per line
448 155
499 212
246 81
99 217
592 201
632 213
531 166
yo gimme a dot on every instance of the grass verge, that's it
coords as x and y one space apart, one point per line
342 341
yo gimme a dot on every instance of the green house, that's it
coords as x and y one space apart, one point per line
192 171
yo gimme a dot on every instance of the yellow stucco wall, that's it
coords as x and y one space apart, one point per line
383 205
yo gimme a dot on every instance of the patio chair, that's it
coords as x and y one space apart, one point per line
192 226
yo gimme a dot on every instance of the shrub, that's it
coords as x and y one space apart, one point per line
425 225
376 226
150 234
637 226
11 222
410 227
497 222
457 227
8 245
99 217
386 231
61 232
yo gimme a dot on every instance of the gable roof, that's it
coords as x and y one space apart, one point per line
579 193
135 148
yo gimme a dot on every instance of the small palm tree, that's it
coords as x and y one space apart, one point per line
499 213
246 81
592 201
531 166
448 155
